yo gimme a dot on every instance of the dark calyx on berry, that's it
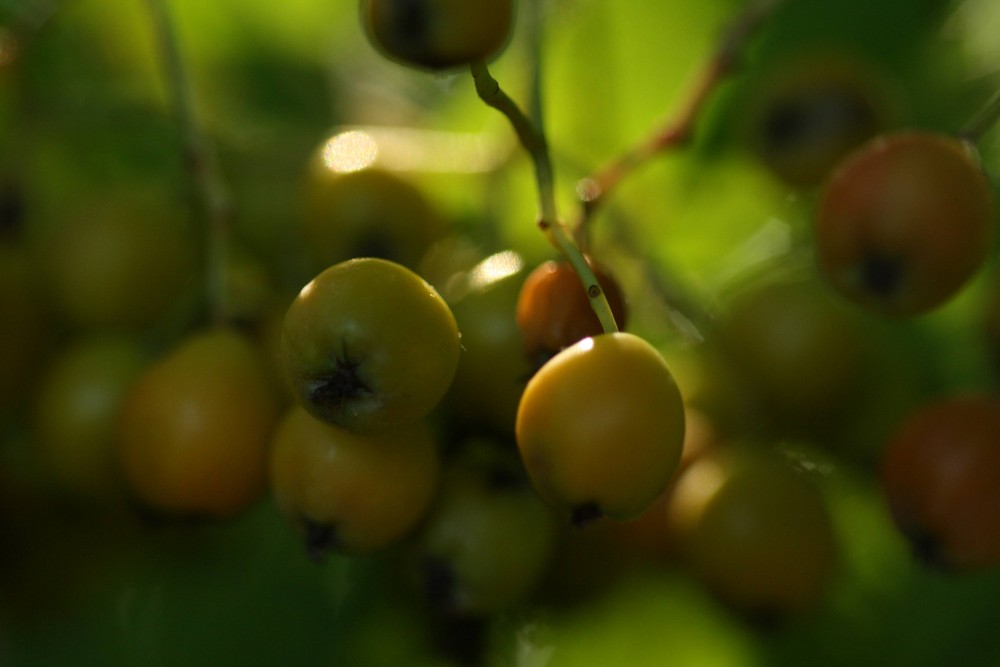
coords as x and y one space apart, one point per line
792 122
929 550
321 539
440 582
881 275
343 385
411 21
585 514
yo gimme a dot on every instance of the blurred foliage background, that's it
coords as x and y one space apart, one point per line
85 114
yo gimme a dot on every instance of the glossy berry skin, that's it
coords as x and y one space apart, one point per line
553 310
941 478
438 34
600 427
904 222
368 345
493 369
352 493
757 532
194 429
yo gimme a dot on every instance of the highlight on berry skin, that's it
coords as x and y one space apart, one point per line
369 364
600 428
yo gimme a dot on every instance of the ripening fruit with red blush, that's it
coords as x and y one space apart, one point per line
554 311
904 222
941 477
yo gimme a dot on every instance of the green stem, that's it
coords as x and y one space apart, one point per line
534 38
200 160
983 121
533 141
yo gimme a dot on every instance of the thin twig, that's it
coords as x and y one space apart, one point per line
200 160
679 127
983 121
555 229
531 139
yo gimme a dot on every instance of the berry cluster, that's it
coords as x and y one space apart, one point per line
501 433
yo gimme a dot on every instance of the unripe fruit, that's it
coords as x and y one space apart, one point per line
352 493
756 531
367 212
600 427
493 369
121 266
76 414
797 348
194 429
488 539
368 345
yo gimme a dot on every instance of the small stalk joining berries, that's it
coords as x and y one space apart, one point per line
533 141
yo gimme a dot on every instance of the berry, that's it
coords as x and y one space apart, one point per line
554 311
941 478
904 222
368 212
438 34
812 111
756 531
352 493
368 345
76 412
488 539
600 427
195 426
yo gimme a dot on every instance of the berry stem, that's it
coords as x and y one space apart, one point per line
533 39
533 141
983 121
200 160
678 129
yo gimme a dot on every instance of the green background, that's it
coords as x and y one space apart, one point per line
87 112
